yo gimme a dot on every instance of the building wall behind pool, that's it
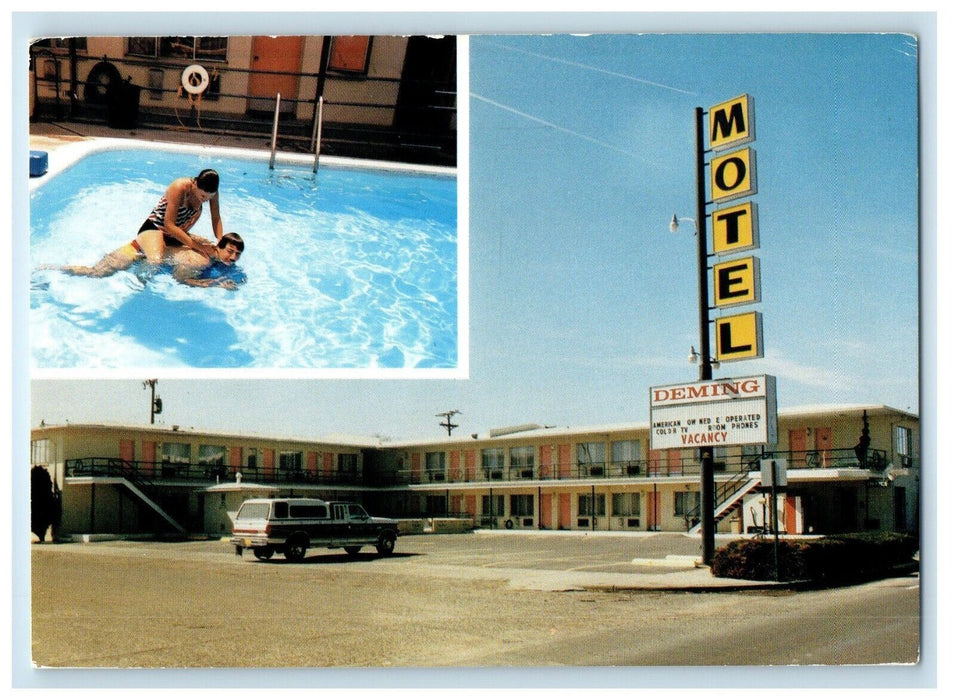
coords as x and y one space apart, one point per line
369 112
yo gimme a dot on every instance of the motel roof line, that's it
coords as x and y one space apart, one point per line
531 431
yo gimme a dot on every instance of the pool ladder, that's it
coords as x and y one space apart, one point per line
316 131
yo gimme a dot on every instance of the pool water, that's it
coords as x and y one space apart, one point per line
345 268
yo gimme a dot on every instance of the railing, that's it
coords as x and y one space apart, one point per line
875 461
845 458
152 472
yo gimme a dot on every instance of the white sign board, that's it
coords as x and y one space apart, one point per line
720 412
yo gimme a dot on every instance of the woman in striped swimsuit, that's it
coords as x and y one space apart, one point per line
177 212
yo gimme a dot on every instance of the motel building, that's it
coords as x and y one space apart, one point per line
125 480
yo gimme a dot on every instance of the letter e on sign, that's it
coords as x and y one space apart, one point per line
733 175
731 123
739 337
736 282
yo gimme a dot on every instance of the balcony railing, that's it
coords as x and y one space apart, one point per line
846 458
188 471
874 461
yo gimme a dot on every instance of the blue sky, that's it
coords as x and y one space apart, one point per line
581 150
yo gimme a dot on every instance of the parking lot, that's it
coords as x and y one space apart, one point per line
441 600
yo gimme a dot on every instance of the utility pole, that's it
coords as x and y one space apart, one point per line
447 419
155 403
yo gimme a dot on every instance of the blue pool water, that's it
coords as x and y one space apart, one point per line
346 269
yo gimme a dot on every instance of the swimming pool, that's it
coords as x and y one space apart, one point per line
347 268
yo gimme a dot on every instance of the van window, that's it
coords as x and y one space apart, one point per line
357 512
308 512
280 509
253 511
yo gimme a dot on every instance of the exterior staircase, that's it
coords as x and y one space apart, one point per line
728 496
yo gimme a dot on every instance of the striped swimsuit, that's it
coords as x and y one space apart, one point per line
186 217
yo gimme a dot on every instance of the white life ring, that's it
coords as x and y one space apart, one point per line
195 79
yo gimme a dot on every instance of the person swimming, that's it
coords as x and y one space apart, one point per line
188 266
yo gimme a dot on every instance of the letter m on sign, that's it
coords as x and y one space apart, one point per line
731 123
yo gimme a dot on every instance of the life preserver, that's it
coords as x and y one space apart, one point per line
103 78
195 79
509 524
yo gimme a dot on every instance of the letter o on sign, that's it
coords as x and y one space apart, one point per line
730 166
733 175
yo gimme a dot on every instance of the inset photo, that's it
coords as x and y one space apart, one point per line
246 202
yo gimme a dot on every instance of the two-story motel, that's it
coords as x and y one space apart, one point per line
129 480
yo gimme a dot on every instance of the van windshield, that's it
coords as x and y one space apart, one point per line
254 511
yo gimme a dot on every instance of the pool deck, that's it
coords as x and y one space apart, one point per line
51 135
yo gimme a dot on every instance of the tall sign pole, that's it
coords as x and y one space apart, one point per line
707 487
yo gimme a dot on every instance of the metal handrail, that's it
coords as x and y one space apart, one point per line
275 129
154 472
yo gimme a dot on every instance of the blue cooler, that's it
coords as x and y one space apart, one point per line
38 163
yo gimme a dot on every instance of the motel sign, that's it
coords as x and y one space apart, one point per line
736 281
721 412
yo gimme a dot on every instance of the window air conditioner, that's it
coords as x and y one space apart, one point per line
583 522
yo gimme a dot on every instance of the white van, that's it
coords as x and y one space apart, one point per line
294 525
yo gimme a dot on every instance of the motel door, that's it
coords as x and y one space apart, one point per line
126 449
546 511
149 457
276 54
823 445
797 445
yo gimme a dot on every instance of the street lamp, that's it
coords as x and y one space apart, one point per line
695 358
675 222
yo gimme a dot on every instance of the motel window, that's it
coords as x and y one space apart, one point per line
522 457
252 458
290 461
203 49
348 463
591 457
685 502
522 505
212 455
40 452
593 505
63 44
349 54
492 462
492 505
626 504
626 452
434 463
176 453
903 441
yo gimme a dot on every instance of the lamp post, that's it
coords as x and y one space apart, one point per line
707 488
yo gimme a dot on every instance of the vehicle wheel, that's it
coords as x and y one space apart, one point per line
295 549
263 553
386 543
353 550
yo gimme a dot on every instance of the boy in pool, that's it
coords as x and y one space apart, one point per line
196 270
188 265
